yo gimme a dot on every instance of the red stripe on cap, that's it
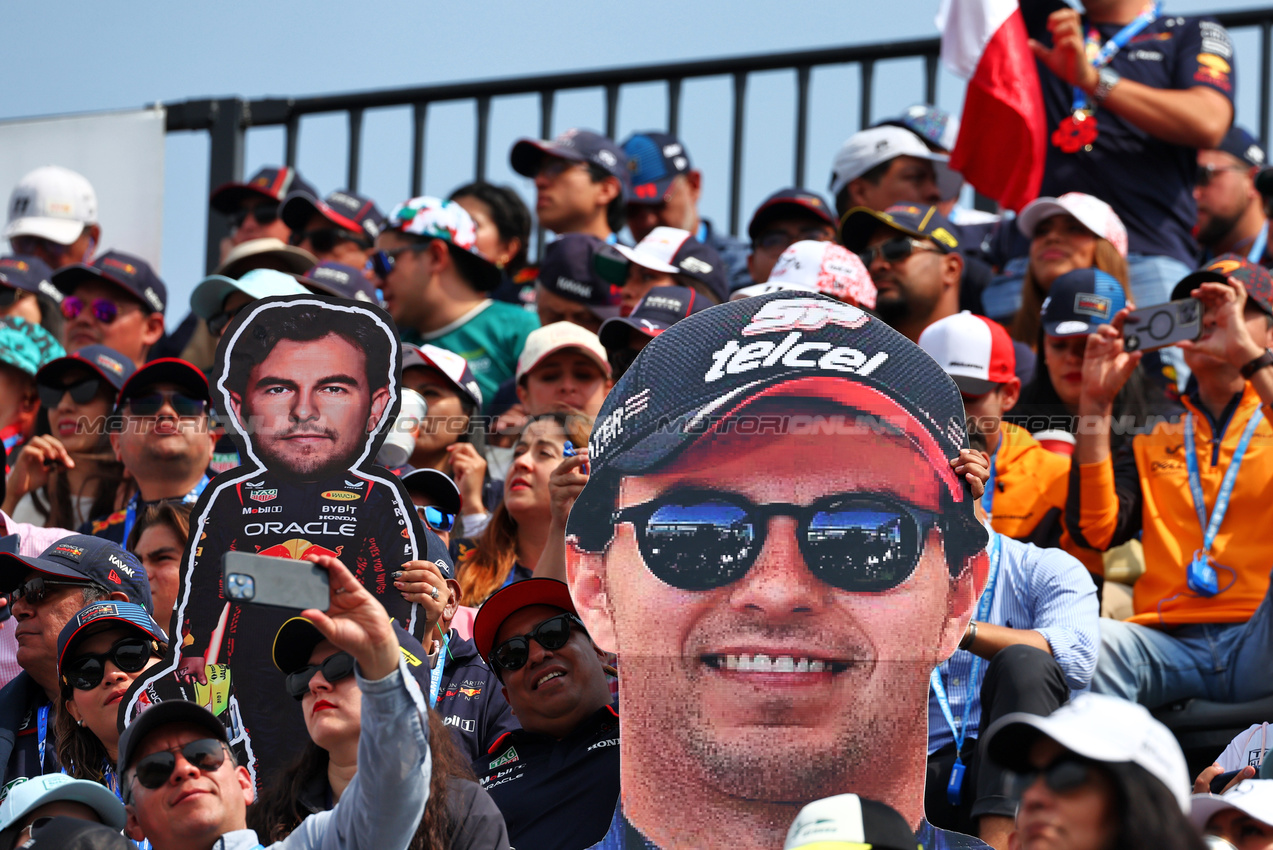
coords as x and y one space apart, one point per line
870 401
336 218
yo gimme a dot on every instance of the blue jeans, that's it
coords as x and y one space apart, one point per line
1152 278
1226 662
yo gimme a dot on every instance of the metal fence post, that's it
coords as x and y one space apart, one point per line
225 165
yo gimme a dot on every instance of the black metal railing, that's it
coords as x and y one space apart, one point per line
227 119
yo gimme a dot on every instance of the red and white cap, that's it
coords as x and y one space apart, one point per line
53 203
977 352
548 340
827 267
452 366
1093 213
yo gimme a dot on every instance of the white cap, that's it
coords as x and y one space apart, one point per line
53 203
771 286
657 250
550 339
32 793
1093 213
1101 728
868 148
452 366
209 296
977 352
1253 797
828 268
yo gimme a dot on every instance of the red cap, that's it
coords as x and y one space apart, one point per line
513 598
977 352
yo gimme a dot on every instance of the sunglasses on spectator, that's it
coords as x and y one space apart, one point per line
553 167
10 294
206 754
325 239
1067 773
265 214
151 403
382 262
334 668
217 324
894 250
103 309
781 240
435 518
35 589
704 539
129 654
552 634
82 392
1207 173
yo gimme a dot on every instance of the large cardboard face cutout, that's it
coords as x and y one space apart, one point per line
777 549
308 387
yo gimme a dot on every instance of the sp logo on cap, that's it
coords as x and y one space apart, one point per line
805 314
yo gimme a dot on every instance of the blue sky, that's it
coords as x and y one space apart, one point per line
95 56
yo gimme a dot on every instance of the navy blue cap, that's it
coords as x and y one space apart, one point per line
567 270
132 274
271 183
167 370
346 210
1080 301
787 202
918 220
295 641
80 557
655 160
30 274
340 280
114 367
1240 144
578 145
168 712
662 307
91 618
437 486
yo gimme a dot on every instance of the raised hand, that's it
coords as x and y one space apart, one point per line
1225 335
565 484
1106 366
1067 57
355 621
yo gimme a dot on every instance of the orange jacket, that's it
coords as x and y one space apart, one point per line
1146 487
1031 484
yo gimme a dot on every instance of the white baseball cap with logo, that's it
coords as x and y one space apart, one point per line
548 340
866 149
1091 212
977 352
828 268
52 203
658 249
1252 797
1101 728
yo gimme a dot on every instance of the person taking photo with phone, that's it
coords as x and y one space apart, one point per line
1197 491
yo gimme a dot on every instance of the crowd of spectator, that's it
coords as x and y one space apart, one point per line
1123 552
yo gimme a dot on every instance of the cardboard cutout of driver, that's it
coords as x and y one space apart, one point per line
309 384
785 514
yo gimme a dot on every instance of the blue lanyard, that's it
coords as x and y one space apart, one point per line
1110 49
1210 528
988 497
701 235
435 675
1261 242
983 611
42 730
130 516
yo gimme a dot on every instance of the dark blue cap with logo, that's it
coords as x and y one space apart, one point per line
271 183
661 308
347 210
343 281
1080 301
655 160
167 370
82 558
1240 144
918 220
786 203
132 274
567 270
29 274
112 366
578 145
91 618
296 639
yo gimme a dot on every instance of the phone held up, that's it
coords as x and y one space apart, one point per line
1162 325
281 582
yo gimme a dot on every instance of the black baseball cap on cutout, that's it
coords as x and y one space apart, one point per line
83 557
131 274
271 183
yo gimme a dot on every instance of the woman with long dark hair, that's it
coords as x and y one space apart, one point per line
69 473
459 815
1099 773
517 533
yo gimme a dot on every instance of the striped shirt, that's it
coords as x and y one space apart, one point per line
1046 590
